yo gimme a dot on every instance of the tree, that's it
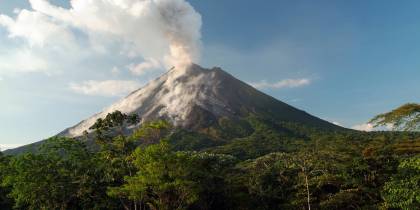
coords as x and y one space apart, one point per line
309 164
116 149
290 180
5 202
269 182
63 175
152 132
116 146
159 181
405 117
167 179
403 190
112 125
208 173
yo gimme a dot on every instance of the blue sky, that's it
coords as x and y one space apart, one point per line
358 58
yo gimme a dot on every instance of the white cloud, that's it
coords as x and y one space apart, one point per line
286 83
9 146
363 127
37 28
371 127
294 100
144 67
105 88
337 123
115 71
37 43
21 61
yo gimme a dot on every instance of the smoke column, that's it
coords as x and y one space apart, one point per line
166 31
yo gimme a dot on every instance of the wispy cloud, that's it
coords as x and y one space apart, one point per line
12 62
115 71
363 127
105 88
371 127
37 29
286 83
37 44
144 67
8 146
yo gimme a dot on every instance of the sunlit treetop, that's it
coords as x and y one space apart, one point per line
405 117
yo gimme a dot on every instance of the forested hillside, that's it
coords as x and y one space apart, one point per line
264 165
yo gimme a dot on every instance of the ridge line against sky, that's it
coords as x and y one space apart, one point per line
341 61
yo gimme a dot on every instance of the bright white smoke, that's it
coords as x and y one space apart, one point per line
164 31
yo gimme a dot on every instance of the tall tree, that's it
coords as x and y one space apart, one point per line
405 117
116 148
167 179
159 181
309 164
270 181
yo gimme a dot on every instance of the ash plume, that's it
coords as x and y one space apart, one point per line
167 31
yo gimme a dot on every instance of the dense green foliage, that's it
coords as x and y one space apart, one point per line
254 163
63 175
176 180
5 202
403 190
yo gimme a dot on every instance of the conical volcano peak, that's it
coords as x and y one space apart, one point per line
195 97
192 70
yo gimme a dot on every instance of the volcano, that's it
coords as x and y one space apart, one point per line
197 99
